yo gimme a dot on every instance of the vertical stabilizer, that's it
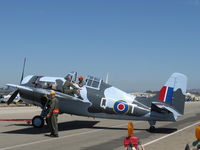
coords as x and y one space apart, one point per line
174 91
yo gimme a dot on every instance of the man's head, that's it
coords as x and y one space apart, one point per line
53 94
68 78
80 78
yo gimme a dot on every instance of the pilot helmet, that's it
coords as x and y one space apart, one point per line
67 76
80 77
52 92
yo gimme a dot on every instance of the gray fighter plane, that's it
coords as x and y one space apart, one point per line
101 100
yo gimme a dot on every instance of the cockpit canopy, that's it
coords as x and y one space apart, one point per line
50 82
93 82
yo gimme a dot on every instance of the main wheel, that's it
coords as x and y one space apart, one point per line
38 122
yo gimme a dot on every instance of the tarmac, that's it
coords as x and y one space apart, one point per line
82 133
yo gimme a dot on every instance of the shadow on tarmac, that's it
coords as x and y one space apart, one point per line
72 125
163 130
77 124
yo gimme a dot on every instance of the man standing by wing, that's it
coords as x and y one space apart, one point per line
52 115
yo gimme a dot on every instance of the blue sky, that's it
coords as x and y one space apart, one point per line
140 43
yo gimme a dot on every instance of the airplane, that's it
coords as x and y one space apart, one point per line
102 100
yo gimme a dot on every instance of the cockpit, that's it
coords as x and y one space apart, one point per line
56 83
91 82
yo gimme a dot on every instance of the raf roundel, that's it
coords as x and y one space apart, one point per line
121 107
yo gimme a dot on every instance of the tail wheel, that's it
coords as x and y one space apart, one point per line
38 122
46 120
152 129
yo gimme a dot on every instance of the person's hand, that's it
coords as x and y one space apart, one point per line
80 85
48 115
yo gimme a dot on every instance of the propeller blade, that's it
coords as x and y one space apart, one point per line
11 99
22 77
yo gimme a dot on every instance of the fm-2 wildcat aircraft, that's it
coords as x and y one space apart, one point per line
102 100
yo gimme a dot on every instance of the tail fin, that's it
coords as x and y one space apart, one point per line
174 91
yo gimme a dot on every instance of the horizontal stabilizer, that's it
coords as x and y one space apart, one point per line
164 109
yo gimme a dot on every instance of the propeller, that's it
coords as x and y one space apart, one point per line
12 97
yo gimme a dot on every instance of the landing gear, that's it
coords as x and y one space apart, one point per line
152 126
38 122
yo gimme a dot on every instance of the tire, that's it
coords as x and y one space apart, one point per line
38 122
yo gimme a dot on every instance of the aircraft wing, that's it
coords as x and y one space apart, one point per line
20 87
67 103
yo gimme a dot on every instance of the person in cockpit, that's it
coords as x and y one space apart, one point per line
70 88
81 82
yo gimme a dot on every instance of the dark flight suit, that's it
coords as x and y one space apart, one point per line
67 90
53 112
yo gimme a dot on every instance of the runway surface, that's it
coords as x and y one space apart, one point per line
94 134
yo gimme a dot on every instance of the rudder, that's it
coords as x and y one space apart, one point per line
174 91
